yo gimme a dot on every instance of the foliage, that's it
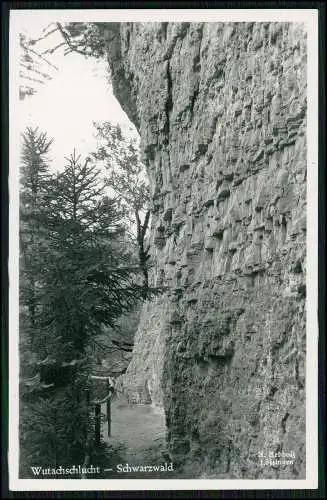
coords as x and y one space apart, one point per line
88 276
34 160
114 346
49 436
34 180
76 276
35 69
84 38
85 278
126 172
127 177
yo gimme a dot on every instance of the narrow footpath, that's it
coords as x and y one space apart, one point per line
138 438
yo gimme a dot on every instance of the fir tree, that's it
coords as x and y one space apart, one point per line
34 179
75 255
88 277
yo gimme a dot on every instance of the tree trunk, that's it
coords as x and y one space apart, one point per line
143 254
97 414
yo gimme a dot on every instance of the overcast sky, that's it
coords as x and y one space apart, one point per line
65 107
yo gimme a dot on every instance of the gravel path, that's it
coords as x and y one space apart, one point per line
138 433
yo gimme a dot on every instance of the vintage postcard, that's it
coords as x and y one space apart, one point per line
163 249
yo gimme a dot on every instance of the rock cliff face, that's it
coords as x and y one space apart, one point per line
221 111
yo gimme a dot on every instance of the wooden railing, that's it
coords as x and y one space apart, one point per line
97 415
97 407
36 382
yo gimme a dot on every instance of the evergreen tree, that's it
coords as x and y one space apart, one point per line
34 180
53 425
88 278
76 277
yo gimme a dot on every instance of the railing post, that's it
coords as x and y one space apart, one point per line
109 410
87 404
87 435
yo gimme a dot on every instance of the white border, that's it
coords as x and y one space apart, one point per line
308 16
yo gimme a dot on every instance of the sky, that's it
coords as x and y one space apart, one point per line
66 106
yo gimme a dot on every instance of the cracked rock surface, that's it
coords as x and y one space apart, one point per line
221 111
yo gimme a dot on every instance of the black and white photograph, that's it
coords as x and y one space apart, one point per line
163 182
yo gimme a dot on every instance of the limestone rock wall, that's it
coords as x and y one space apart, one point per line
221 111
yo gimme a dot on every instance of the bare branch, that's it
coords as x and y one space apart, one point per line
41 57
146 223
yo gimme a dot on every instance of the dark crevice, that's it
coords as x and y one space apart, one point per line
164 30
185 27
297 375
228 456
193 99
178 36
284 420
169 101
127 39
197 64
283 229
